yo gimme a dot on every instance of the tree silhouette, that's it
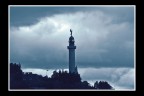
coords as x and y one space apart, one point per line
102 85
16 77
58 80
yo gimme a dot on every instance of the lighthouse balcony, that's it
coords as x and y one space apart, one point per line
71 47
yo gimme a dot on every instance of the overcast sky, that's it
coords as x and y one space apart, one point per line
104 36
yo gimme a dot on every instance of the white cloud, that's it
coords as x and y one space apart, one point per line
119 77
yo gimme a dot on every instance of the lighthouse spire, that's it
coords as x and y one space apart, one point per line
71 32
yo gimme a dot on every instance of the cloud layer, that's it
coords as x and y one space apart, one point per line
119 78
100 41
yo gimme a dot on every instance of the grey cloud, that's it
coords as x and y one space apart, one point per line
100 41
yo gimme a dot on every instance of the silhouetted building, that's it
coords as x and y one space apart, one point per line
72 47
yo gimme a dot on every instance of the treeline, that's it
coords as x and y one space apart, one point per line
58 80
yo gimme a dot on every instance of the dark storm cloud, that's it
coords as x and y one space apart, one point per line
104 36
27 15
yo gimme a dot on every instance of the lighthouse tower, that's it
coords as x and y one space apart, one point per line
71 48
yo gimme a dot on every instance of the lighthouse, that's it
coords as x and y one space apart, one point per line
71 48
